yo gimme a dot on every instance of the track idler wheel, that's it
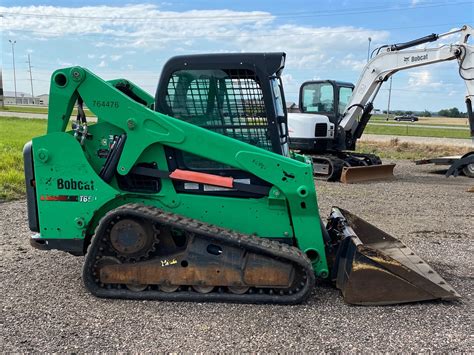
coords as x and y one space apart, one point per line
203 289
238 290
137 287
168 288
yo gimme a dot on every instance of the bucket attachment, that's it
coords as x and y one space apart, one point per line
371 267
364 173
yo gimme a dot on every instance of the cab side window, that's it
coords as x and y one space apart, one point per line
345 94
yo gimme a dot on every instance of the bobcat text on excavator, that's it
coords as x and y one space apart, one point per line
193 195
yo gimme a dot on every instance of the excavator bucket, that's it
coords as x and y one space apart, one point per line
373 268
365 173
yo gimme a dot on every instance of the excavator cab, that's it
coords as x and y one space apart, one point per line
326 97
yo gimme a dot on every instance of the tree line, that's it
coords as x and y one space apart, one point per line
447 112
452 112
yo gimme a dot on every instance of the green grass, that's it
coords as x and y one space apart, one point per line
14 133
36 109
422 120
417 131
418 124
25 109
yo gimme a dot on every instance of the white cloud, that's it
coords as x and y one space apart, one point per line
287 79
355 64
422 80
146 27
136 21
63 63
115 57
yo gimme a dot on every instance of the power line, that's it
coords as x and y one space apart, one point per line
326 13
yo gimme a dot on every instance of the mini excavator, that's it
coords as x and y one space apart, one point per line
333 114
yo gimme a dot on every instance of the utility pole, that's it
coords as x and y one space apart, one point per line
368 50
14 72
2 104
31 79
389 95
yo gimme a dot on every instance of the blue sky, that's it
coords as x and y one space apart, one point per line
322 39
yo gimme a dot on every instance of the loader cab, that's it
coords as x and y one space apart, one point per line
237 95
325 97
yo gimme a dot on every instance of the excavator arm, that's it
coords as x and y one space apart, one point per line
390 59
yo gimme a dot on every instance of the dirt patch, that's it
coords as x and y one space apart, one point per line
398 149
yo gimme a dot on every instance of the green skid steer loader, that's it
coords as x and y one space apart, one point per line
194 195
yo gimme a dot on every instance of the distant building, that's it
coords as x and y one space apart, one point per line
25 99
43 100
292 107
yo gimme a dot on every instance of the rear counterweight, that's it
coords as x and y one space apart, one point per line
30 187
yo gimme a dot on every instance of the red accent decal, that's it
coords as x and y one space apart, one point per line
64 198
202 178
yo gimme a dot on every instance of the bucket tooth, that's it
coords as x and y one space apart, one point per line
366 173
373 268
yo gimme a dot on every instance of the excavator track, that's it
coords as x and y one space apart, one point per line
327 167
142 252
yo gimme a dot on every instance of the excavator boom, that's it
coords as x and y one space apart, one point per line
390 59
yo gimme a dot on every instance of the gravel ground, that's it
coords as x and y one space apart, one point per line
45 307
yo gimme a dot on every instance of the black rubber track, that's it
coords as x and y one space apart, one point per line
253 244
335 167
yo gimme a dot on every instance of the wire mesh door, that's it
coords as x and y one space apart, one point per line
229 102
